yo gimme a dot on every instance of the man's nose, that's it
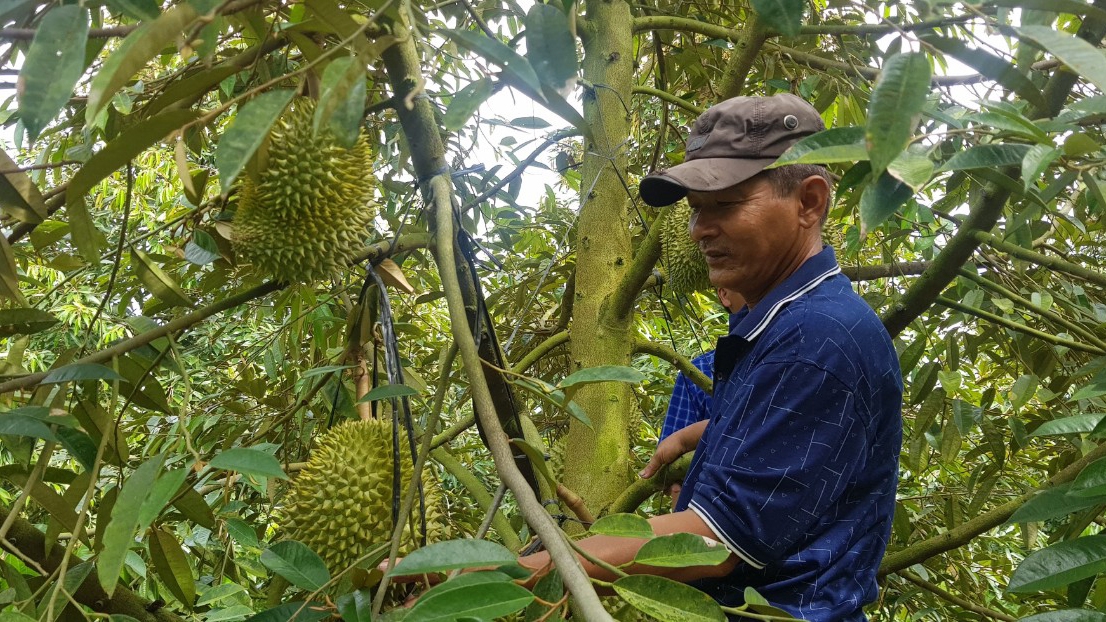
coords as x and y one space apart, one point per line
698 226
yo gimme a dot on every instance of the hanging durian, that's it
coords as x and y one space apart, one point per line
686 270
340 504
304 215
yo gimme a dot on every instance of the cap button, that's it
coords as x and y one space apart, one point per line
791 122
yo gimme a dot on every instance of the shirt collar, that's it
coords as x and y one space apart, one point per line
749 323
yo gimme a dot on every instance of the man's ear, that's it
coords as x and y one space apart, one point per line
813 193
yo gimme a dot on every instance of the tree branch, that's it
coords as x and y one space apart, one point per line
956 600
885 271
479 494
543 348
668 97
965 532
1014 326
661 351
1048 261
642 489
741 61
686 24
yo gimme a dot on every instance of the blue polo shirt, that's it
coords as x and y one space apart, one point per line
689 404
796 471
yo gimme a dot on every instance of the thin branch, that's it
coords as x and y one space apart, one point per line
741 61
885 271
543 348
1021 328
641 489
668 97
555 138
575 504
1048 261
661 351
954 599
962 534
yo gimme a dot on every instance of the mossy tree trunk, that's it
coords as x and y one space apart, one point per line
597 463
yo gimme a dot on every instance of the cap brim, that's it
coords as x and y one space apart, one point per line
705 175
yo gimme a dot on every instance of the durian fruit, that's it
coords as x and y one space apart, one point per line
686 270
340 504
305 214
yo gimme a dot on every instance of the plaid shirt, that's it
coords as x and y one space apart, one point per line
689 404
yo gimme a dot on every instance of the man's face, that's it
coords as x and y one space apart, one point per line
751 238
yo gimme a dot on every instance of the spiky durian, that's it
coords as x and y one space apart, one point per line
683 262
340 504
305 214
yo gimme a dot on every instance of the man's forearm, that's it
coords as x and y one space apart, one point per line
617 551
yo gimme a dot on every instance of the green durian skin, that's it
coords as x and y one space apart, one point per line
307 213
685 268
340 504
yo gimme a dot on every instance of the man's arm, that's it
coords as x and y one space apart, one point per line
673 446
617 551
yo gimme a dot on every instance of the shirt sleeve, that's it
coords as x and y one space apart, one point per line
782 450
689 403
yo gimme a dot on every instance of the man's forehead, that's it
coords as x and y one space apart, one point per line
743 190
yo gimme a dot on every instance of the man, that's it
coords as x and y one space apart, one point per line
795 471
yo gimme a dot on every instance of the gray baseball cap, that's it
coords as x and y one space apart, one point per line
732 141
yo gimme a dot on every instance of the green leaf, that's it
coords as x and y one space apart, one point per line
477 595
138 9
1067 615
27 321
453 554
201 249
783 16
194 508
680 550
537 459
880 199
759 604
986 156
242 533
990 66
172 566
466 102
603 373
54 64
1075 424
216 593
387 392
124 524
1087 60
355 606
1091 481
912 169
160 494
623 526
288 613
137 49
497 52
550 47
668 600
79 372
80 446
1036 160
1023 390
297 563
895 107
1052 503
246 132
233 613
14 424
19 196
15 616
837 144
248 461
160 284
1059 565
342 100
111 158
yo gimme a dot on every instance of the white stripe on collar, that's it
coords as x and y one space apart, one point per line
768 317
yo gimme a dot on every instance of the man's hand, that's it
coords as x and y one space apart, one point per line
675 445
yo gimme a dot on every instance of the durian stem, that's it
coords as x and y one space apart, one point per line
437 193
682 363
